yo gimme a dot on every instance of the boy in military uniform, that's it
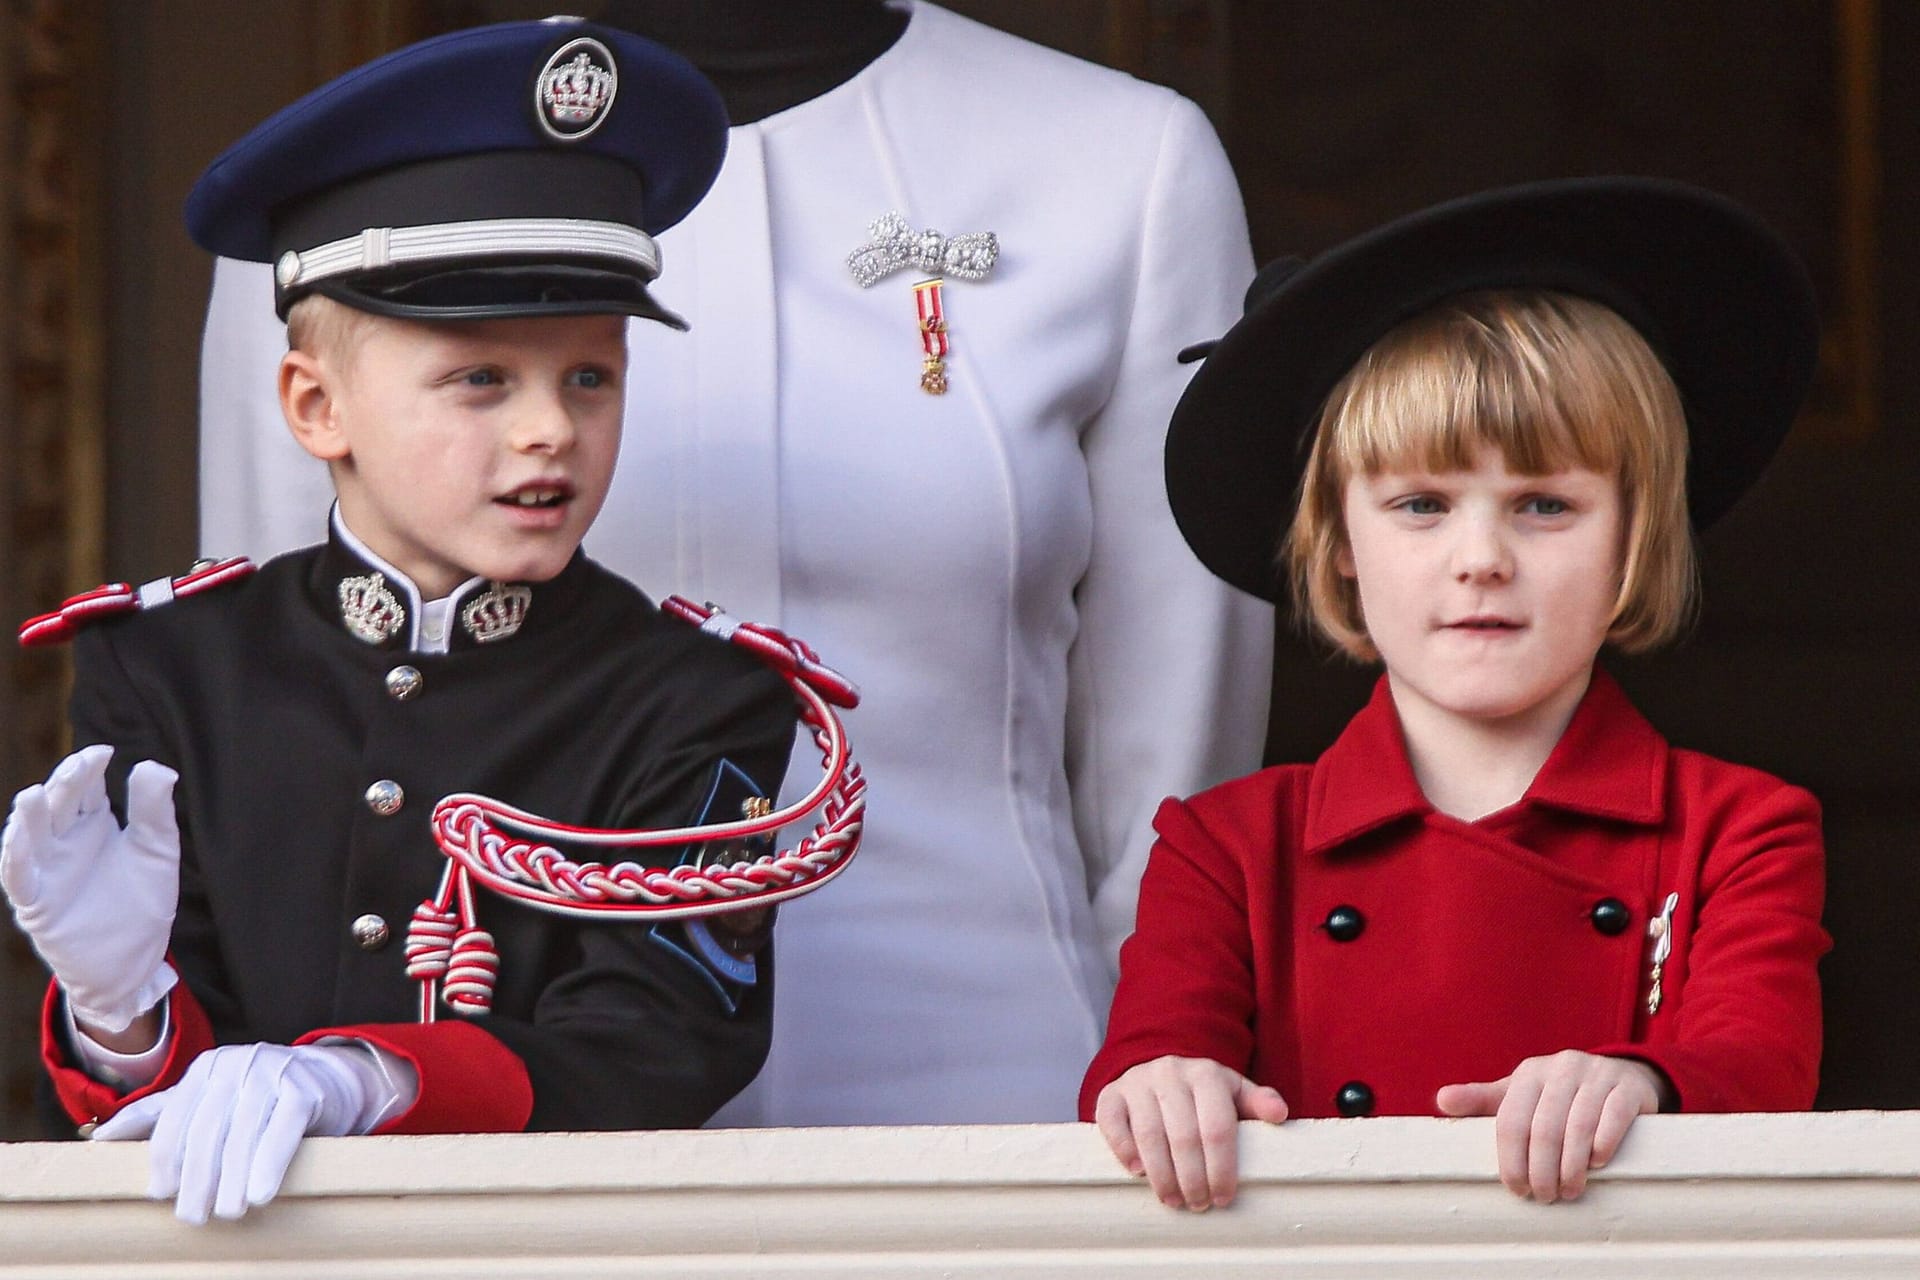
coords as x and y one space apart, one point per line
459 232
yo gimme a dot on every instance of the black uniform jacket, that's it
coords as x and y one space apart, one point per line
598 710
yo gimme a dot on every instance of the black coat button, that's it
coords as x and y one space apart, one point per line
1610 916
1344 923
1354 1099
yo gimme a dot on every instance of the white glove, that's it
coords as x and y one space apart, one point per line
96 900
223 1137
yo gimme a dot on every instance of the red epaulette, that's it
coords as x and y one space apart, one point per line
771 645
118 597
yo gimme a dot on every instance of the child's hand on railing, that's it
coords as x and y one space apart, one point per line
1558 1116
1174 1121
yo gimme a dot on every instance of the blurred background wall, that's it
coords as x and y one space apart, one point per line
1336 117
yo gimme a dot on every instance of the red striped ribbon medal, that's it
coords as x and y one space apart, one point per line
895 246
933 337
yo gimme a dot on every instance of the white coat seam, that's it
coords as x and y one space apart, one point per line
1106 853
973 387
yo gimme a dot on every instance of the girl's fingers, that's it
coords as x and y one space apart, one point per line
1479 1098
1616 1117
1176 1122
1218 1119
1110 1116
1156 1157
1547 1137
1583 1122
1513 1131
1180 1116
1259 1102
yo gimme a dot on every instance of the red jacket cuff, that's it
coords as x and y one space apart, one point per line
469 1081
89 1101
1706 1080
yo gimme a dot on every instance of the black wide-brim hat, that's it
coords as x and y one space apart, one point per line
1721 299
516 169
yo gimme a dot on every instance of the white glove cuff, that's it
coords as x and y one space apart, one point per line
388 1083
144 997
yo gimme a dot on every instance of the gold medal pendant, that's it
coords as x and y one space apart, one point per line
894 246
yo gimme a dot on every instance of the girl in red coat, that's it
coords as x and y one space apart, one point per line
1500 892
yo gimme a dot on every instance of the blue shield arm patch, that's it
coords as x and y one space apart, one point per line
724 949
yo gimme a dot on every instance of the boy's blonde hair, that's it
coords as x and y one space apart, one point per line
324 328
1550 381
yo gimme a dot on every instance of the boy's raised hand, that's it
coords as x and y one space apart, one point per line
97 899
1558 1116
1175 1121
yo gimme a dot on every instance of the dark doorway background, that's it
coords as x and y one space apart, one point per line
1804 663
1336 117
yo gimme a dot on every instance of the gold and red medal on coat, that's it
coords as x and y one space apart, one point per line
895 246
933 337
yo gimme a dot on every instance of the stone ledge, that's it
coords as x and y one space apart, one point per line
1749 1196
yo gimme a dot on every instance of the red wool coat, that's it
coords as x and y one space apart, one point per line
1322 929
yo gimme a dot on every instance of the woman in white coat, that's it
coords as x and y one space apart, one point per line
1041 657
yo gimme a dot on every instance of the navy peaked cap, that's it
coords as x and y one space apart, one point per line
515 169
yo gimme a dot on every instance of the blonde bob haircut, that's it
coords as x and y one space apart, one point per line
1548 380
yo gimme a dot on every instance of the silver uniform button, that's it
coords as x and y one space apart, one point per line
403 682
370 932
385 797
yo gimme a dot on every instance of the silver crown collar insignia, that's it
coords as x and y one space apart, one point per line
497 612
370 610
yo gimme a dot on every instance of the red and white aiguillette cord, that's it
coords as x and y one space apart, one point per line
445 945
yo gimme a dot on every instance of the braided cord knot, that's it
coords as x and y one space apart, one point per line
430 941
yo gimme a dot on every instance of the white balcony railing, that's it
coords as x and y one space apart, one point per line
1748 1196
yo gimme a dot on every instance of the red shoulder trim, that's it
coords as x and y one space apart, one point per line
118 597
784 653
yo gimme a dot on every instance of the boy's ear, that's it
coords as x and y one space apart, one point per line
307 402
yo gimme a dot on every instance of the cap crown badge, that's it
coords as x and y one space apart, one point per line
369 609
574 91
496 613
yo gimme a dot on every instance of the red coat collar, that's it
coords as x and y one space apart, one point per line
1610 763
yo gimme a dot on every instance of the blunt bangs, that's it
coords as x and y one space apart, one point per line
1549 381
1545 381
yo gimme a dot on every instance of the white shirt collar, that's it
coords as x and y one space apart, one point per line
429 622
